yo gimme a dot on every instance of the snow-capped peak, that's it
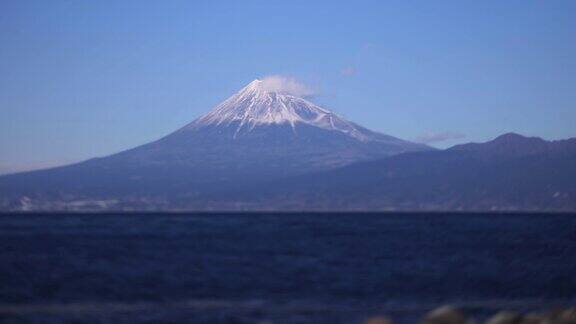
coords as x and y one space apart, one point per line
261 104
254 85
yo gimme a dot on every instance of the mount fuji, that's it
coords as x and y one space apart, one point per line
259 134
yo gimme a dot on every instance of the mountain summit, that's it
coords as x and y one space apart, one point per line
257 135
257 105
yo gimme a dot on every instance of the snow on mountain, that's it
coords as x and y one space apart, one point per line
259 104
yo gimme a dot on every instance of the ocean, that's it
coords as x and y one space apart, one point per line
280 267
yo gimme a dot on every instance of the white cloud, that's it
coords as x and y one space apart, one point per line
348 71
435 137
286 85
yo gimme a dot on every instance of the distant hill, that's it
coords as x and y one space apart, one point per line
511 172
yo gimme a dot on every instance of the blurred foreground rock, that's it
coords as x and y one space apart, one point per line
378 320
505 317
453 315
445 315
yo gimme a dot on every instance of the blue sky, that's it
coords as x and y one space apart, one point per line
80 79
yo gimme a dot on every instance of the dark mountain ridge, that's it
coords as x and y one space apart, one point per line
512 145
531 174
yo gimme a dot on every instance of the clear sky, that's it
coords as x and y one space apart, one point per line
81 79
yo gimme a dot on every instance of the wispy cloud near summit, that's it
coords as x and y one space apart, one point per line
287 85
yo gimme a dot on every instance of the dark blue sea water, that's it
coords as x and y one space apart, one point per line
246 268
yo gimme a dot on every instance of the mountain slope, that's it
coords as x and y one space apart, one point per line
255 135
529 174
